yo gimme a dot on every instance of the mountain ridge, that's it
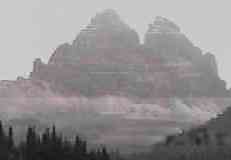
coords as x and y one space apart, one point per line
108 45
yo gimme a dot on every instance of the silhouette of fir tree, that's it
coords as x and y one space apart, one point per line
46 146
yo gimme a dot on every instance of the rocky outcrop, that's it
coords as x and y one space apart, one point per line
107 58
210 63
163 36
106 30
198 70
61 55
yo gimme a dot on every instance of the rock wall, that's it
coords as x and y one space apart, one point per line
107 58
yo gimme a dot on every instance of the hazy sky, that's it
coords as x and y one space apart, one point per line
34 28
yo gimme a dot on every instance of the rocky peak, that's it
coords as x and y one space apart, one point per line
105 30
166 39
163 25
108 18
164 33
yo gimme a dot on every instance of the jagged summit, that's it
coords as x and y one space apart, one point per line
108 18
163 25
163 32
106 30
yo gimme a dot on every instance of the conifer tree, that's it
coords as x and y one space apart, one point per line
3 143
48 146
10 138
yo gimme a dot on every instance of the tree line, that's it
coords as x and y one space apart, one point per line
196 144
47 146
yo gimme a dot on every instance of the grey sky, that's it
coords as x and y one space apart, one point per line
34 28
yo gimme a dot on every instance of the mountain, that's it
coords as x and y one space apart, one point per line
119 91
108 51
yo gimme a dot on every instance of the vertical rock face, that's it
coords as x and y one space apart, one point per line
105 34
166 39
108 51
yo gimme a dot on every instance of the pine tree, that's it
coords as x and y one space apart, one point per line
53 134
2 134
10 138
105 155
46 147
30 144
3 143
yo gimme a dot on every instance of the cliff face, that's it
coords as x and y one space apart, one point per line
107 58
110 86
196 72
106 32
